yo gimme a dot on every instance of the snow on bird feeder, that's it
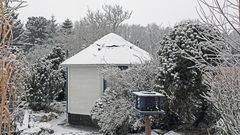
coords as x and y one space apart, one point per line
149 103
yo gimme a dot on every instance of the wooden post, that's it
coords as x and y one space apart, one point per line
147 123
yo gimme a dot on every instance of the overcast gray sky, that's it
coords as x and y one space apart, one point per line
162 12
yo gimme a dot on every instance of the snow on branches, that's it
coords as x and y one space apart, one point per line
184 52
46 81
114 111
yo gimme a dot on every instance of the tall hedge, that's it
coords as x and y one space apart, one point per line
184 53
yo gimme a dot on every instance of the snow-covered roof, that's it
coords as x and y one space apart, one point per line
148 94
110 49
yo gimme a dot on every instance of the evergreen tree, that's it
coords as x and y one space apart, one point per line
36 30
17 29
179 75
67 26
57 56
52 27
47 80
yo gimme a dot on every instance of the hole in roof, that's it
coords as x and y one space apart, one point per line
112 45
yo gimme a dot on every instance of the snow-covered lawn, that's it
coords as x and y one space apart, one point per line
65 129
54 122
56 126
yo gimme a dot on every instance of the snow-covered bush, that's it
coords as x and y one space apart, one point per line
46 81
180 76
225 94
114 111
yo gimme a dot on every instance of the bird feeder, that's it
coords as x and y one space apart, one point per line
149 102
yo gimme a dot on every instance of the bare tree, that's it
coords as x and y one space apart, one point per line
225 16
115 15
224 79
111 17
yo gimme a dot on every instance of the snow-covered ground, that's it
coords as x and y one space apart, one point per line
53 123
65 129
59 126
56 126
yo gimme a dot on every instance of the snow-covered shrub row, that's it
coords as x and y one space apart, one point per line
187 46
46 81
114 112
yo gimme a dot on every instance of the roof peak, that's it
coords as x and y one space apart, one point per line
111 39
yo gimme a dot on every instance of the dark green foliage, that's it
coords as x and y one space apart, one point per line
57 56
17 29
46 81
188 44
67 26
36 30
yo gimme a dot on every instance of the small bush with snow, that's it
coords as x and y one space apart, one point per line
46 81
114 112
